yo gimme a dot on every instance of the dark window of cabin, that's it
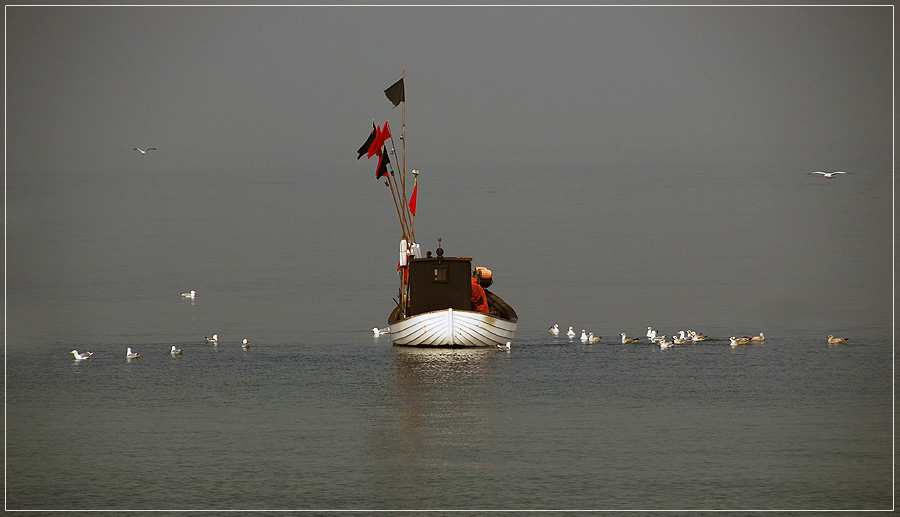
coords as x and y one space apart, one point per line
440 274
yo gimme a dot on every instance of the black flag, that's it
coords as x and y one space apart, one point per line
396 93
365 147
383 160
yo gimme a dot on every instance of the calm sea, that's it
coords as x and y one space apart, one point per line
321 415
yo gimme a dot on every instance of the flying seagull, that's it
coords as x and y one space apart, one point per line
144 151
828 175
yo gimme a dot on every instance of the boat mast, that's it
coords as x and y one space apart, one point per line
403 136
411 221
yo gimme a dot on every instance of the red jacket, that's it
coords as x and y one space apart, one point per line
479 300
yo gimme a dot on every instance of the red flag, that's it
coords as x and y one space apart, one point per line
375 145
412 199
382 135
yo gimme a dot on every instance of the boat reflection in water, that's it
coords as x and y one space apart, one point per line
437 423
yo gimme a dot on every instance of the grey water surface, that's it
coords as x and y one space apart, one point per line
321 414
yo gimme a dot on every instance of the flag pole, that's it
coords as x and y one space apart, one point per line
402 195
403 225
403 138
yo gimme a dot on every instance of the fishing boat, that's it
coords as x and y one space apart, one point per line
439 307
442 301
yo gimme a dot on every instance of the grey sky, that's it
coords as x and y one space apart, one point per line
499 98
547 86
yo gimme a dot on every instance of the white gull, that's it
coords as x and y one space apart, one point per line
736 341
81 357
626 340
828 175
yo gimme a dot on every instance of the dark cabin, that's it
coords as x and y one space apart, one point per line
438 283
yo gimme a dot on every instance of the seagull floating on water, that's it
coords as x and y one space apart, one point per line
651 334
190 294
584 336
81 357
736 341
245 344
836 340
828 175
571 332
626 340
696 336
378 331
592 338
214 340
131 355
176 351
758 338
555 329
144 151
507 346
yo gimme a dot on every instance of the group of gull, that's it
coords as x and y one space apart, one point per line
131 355
653 337
679 338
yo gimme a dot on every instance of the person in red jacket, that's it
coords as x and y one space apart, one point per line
479 300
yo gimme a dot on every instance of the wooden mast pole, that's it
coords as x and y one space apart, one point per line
403 139
403 222
404 290
403 211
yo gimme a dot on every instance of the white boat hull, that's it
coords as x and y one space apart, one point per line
451 327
